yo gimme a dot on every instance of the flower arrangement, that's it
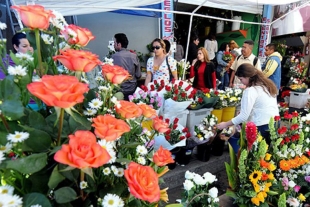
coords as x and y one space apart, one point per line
227 56
83 146
198 101
283 109
182 67
210 97
233 96
297 85
179 91
176 133
144 96
221 102
205 131
298 67
281 46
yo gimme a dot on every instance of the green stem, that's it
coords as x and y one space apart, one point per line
5 123
40 69
82 177
61 119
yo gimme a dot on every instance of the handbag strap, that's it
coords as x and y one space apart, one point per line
170 73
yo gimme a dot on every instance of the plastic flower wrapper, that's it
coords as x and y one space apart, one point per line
251 173
199 190
198 101
174 137
205 131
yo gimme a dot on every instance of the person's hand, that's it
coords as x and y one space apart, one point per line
221 125
230 85
194 61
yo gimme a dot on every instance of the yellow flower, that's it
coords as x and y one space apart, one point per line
199 135
256 187
267 186
267 156
272 167
208 95
264 194
164 195
260 197
255 176
302 197
259 138
255 201
270 176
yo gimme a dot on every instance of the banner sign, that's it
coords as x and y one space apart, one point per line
167 20
265 31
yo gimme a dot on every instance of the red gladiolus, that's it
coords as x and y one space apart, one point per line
277 118
251 134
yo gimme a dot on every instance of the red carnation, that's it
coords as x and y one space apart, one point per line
251 134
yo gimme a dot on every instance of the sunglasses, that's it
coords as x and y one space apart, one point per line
156 47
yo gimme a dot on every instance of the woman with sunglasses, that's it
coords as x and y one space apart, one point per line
160 66
203 71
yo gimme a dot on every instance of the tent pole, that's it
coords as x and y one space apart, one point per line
159 26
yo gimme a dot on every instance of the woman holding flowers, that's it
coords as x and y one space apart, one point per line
258 103
160 66
224 62
203 71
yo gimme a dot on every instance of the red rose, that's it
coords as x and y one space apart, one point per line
277 118
176 120
181 83
175 126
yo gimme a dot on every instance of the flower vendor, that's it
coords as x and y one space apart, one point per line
258 103
203 71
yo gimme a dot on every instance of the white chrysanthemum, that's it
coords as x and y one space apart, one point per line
141 150
10 200
58 21
5 149
47 39
25 57
188 185
189 175
17 70
114 169
141 160
95 103
213 192
2 26
18 136
292 202
6 189
90 112
37 205
199 180
106 171
83 185
120 172
112 200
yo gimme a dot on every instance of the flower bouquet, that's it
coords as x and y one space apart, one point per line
221 102
227 56
198 101
182 67
298 67
297 86
233 96
210 97
84 147
205 131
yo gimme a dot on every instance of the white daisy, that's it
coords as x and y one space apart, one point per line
114 169
141 150
18 136
37 205
103 88
5 149
2 26
6 189
10 200
17 70
95 103
99 78
112 153
1 157
106 171
108 145
120 172
47 39
112 200
83 185
141 160
90 112
25 57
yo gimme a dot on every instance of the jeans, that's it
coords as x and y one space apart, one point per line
264 131
224 81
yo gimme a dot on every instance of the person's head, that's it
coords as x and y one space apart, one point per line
224 46
195 39
250 76
120 41
159 47
202 55
211 37
233 45
270 48
247 48
20 43
168 46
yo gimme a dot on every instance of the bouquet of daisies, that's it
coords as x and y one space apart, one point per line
205 131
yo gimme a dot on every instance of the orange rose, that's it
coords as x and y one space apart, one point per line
148 111
160 126
34 16
82 38
62 91
142 182
115 74
162 157
82 151
109 128
128 109
78 60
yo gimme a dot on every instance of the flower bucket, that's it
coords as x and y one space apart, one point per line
183 156
218 113
228 113
217 146
233 141
204 152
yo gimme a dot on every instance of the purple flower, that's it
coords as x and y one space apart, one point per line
152 100
285 183
296 188
135 95
307 178
130 97
144 95
141 92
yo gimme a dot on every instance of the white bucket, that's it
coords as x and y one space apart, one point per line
219 27
236 25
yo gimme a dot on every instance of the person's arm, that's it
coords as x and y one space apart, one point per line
219 59
148 78
271 66
231 80
149 67
214 80
137 68
192 72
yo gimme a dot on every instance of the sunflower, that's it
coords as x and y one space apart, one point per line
285 165
255 176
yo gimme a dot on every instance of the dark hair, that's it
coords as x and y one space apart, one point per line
194 37
256 78
272 46
121 38
223 46
168 45
249 42
161 42
16 38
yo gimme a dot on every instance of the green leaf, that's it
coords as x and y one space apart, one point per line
38 141
130 145
233 157
174 205
27 165
80 119
35 198
230 175
3 139
36 120
231 194
74 125
55 178
65 195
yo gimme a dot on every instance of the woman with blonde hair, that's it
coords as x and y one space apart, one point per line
160 66
203 71
234 48
259 100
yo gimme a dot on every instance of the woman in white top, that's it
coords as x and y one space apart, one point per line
157 66
258 103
